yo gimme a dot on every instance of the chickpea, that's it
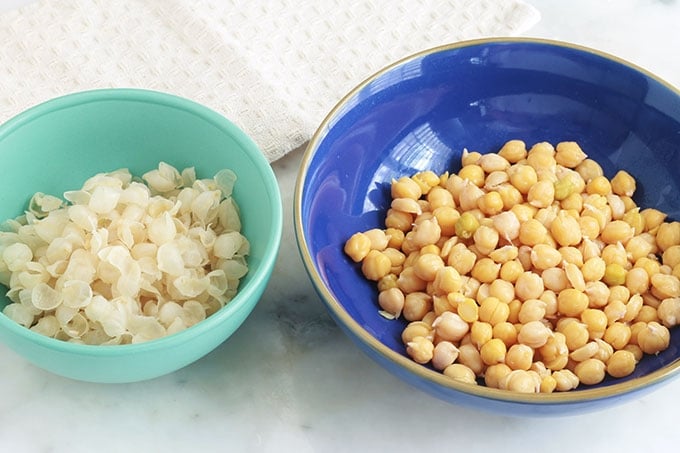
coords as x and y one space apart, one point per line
375 265
532 232
493 311
444 354
466 225
520 381
615 310
461 373
593 269
617 334
480 333
598 294
439 197
357 247
668 235
506 332
490 203
589 169
573 201
406 187
416 329
426 180
468 355
653 338
486 239
461 259
565 380
590 228
426 232
416 305
532 310
387 282
548 384
586 351
665 285
599 185
647 314
544 256
571 302
541 194
513 151
495 373
617 231
529 286
510 271
494 180
569 154
590 371
470 194
596 322
534 334
572 255
549 297
555 279
614 274
576 334
427 266
519 357
510 195
669 311
409 282
392 301
635 350
575 277
420 349
450 327
671 256
621 363
633 308
652 218
493 351
522 177
485 270
554 352
502 290
565 229
515 306
637 280
605 350
623 183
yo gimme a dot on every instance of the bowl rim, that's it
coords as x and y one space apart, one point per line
587 395
252 152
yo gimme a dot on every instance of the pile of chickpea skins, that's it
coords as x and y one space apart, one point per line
528 269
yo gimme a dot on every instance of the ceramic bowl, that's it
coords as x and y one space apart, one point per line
419 114
56 146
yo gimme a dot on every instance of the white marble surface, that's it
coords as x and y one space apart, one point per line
289 380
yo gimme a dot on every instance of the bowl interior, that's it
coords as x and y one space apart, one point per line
420 113
57 145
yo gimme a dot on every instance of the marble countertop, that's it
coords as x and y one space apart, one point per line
289 380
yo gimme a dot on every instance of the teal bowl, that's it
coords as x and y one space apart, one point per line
57 145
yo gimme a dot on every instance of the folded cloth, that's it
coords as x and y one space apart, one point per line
273 67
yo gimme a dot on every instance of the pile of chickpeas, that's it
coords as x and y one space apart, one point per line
529 270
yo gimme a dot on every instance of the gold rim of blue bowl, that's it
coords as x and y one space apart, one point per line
574 396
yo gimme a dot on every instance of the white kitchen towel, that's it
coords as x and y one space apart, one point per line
273 67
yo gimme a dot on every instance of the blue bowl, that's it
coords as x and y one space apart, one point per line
419 114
